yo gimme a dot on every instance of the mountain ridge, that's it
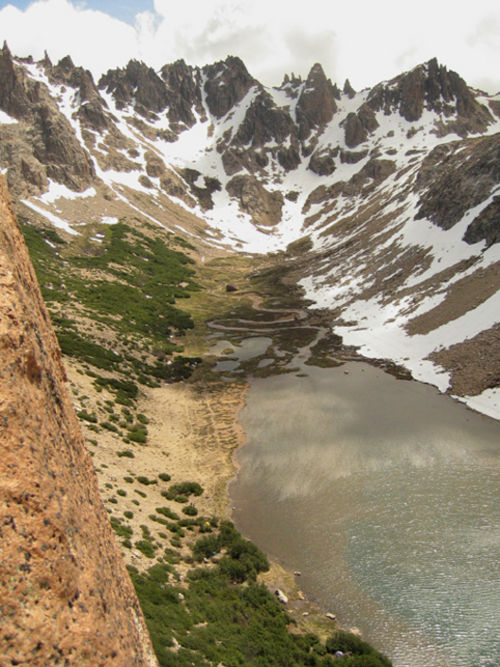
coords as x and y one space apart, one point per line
253 169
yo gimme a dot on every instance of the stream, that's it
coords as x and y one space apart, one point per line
382 492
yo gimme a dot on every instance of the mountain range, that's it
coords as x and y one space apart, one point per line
384 204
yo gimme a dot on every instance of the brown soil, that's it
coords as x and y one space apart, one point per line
474 364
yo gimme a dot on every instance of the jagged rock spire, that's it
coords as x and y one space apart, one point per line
348 89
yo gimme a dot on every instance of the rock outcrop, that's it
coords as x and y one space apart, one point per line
457 176
433 87
226 84
136 84
264 206
65 597
316 104
45 145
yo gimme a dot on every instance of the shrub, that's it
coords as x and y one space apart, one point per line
181 492
146 547
83 414
190 510
364 654
165 477
206 546
138 435
127 453
145 480
166 511
109 426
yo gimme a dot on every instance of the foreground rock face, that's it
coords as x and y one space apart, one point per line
65 596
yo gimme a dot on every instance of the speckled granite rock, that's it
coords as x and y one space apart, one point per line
65 595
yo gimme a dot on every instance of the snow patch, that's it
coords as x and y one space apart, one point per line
58 222
5 119
59 191
488 403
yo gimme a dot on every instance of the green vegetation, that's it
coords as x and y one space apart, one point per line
190 510
224 616
83 414
142 479
138 433
146 547
181 492
122 530
165 511
126 453
364 654
127 287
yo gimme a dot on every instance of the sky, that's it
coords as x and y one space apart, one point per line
367 41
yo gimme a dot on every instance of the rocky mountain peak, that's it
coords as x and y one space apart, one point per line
317 102
46 61
66 64
13 98
183 84
348 89
432 87
136 84
68 74
227 83
262 134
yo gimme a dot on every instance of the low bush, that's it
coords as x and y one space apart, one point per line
127 453
364 654
142 479
166 511
122 530
109 426
181 492
138 436
190 510
146 547
83 414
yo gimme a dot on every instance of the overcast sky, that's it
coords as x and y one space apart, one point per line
367 41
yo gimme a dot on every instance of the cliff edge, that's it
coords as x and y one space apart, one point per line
65 595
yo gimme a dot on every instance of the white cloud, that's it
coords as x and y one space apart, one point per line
91 37
365 41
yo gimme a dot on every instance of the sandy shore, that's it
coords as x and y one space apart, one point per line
196 427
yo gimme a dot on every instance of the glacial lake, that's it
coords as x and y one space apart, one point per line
386 496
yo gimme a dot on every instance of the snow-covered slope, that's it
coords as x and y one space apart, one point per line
397 189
